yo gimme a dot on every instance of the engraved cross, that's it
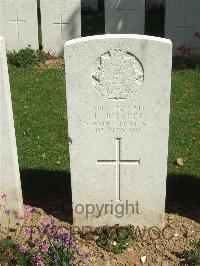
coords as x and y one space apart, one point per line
17 21
118 162
61 23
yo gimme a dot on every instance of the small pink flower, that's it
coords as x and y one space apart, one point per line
23 217
27 230
44 247
29 208
40 263
47 223
85 256
38 256
64 232
23 249
3 196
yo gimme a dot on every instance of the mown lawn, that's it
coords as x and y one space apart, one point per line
39 104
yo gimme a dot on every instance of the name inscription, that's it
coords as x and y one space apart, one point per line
115 119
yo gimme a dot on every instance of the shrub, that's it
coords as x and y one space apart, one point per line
25 57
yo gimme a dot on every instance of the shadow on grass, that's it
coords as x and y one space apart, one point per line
51 191
183 196
48 190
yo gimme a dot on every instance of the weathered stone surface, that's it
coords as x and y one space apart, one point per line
61 21
9 169
124 16
19 23
118 98
182 26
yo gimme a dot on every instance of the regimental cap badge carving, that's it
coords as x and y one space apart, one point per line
119 74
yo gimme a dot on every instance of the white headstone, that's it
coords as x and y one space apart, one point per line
93 4
124 16
182 25
118 98
19 24
61 21
9 169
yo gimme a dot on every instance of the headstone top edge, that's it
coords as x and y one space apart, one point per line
118 36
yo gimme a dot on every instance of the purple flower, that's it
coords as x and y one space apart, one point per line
40 263
72 240
56 258
53 232
44 231
85 256
3 196
75 250
27 230
29 208
64 232
23 217
44 247
38 257
47 223
23 249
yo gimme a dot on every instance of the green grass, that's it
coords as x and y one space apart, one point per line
184 139
39 104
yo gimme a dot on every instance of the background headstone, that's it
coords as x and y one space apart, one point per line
182 25
19 23
93 4
61 21
124 16
118 100
9 169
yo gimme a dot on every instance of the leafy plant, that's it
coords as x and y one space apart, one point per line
192 257
44 244
116 240
10 253
27 57
24 57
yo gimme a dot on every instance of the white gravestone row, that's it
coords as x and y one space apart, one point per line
61 21
124 16
19 23
182 25
118 98
9 169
